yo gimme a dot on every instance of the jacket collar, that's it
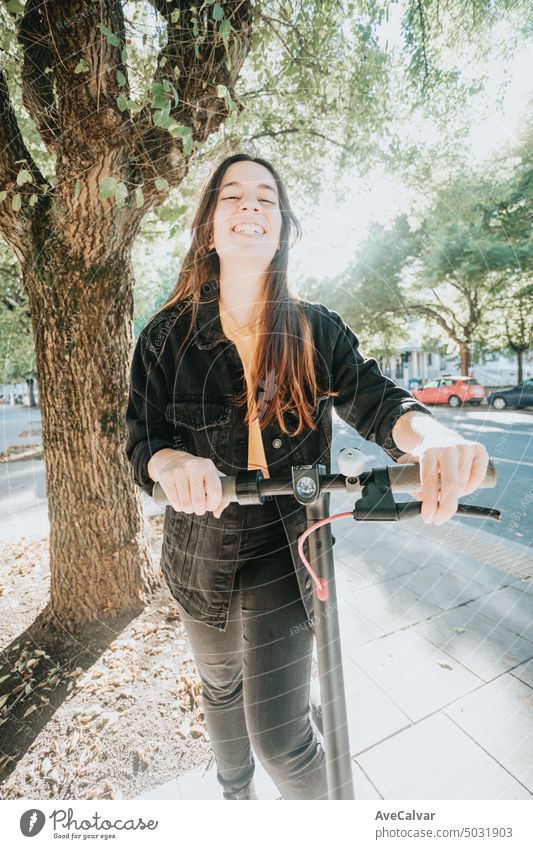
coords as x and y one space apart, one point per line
208 327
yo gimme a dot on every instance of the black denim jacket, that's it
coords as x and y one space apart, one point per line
187 403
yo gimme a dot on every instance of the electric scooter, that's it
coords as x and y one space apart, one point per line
311 486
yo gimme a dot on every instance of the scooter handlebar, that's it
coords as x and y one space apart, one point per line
406 477
403 478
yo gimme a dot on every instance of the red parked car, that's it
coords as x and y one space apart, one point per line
451 390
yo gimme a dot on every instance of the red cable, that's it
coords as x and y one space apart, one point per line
320 583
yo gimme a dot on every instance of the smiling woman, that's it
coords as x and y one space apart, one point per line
238 582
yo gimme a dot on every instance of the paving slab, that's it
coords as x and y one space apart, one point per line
499 717
355 628
434 759
441 586
482 573
168 790
372 714
202 783
366 570
418 676
510 607
524 672
482 645
524 586
363 787
390 605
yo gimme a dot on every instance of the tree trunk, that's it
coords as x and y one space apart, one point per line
83 331
464 350
31 393
520 361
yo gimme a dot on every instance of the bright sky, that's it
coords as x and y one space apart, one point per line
332 234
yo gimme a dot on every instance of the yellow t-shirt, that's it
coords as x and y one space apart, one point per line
245 343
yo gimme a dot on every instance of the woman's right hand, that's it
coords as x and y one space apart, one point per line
192 484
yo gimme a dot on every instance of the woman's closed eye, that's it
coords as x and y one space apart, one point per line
263 200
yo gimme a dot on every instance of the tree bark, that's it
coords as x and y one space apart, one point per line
464 352
520 361
101 562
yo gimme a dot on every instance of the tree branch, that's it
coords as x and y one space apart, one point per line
15 224
37 83
304 130
424 309
194 61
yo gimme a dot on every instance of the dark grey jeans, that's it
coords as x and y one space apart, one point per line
256 674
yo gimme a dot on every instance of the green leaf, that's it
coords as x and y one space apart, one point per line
124 55
82 67
3 196
162 119
15 6
218 12
121 193
122 102
161 184
23 176
16 202
107 188
180 131
158 88
225 28
121 79
160 101
33 200
133 106
184 133
77 189
112 39
166 213
174 16
139 197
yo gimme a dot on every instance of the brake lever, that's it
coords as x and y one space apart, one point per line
377 503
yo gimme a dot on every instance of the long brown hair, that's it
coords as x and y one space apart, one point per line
285 366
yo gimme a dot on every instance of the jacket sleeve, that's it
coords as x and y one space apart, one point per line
147 430
368 401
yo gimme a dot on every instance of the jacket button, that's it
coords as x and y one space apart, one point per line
277 443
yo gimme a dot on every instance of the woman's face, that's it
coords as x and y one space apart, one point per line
247 217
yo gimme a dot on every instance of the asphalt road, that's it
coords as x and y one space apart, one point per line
507 435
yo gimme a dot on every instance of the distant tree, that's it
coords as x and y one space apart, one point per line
476 252
17 357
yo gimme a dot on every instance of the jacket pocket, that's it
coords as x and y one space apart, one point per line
200 424
198 414
175 552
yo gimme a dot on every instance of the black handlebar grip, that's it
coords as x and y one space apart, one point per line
406 478
228 490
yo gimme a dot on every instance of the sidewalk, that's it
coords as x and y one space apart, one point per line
437 636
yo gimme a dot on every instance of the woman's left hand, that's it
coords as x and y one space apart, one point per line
450 467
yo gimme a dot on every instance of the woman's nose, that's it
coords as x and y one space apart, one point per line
249 203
